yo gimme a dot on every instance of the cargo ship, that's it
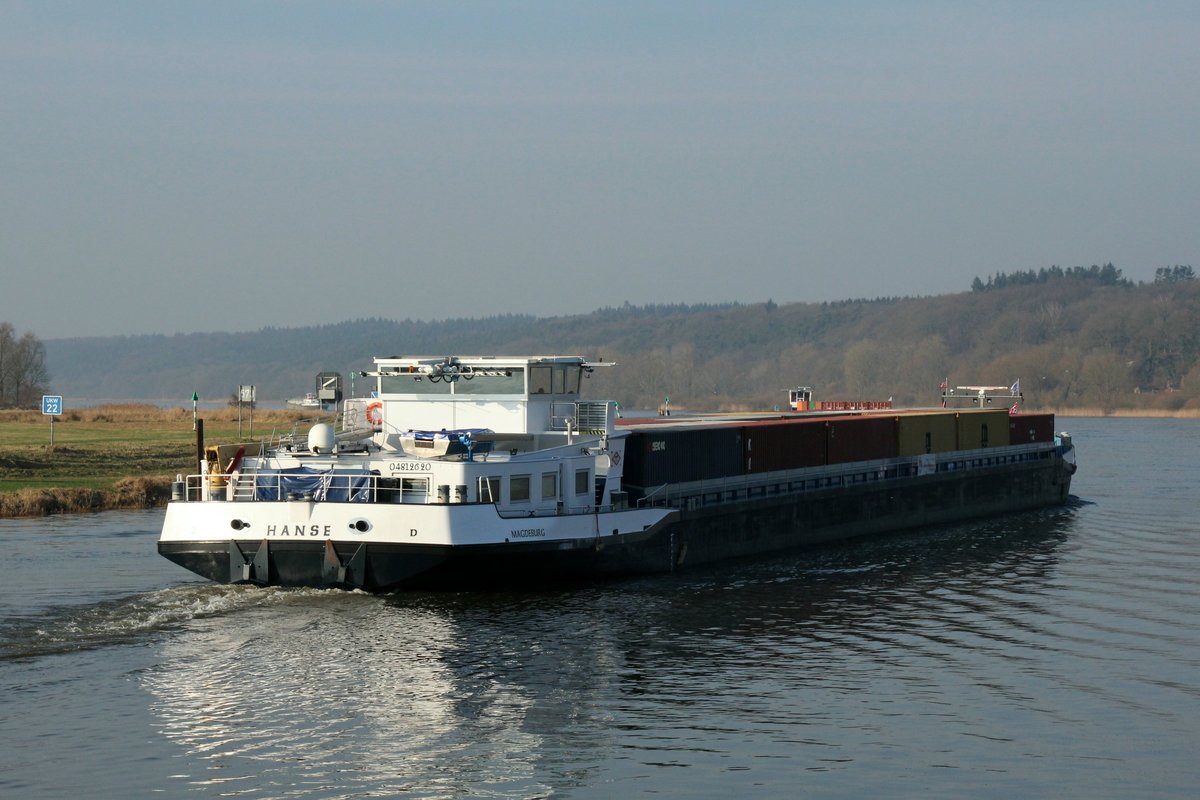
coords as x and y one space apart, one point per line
480 471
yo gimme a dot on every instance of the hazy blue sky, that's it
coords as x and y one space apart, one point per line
199 166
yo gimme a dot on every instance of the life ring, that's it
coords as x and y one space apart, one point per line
375 413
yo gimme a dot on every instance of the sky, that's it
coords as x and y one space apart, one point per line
175 167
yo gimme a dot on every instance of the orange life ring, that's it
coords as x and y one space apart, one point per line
375 413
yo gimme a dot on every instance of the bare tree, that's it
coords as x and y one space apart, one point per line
8 340
23 374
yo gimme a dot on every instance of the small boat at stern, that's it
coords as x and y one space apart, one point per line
481 471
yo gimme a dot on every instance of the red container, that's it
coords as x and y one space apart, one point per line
774 444
861 438
1026 428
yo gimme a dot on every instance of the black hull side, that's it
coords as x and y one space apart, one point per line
753 526
389 567
768 524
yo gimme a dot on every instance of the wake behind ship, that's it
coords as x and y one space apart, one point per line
471 472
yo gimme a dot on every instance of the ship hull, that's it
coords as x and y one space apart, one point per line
711 528
766 525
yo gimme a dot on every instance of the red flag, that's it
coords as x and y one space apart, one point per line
1013 410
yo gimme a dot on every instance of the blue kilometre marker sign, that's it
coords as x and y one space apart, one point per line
52 407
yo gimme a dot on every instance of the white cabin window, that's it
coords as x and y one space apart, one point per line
518 489
489 489
583 481
549 485
414 490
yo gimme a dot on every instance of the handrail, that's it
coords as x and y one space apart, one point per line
273 486
246 487
584 416
737 488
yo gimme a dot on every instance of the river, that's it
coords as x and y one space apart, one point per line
1054 653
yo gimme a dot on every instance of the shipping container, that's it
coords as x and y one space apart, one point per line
679 455
775 444
861 438
984 428
1025 428
926 432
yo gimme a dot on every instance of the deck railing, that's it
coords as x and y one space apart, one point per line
585 416
367 488
739 488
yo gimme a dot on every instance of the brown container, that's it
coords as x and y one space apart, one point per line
861 438
984 428
774 445
926 432
1026 428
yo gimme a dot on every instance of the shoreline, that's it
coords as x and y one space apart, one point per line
128 495
1130 413
149 492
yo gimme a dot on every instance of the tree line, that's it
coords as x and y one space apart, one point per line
1176 274
23 374
1107 275
1075 337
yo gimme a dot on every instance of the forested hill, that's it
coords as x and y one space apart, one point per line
1072 340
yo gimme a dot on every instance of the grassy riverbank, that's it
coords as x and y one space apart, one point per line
124 456
115 456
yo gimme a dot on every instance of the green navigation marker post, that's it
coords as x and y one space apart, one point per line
195 399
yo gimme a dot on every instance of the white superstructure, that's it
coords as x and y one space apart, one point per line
447 452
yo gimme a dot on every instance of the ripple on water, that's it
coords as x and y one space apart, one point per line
126 619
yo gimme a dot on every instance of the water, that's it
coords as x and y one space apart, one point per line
1047 654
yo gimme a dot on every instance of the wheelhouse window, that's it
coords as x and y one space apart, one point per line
500 381
566 380
412 384
583 481
549 485
506 381
554 379
541 380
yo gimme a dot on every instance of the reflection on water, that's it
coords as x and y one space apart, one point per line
355 693
532 694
